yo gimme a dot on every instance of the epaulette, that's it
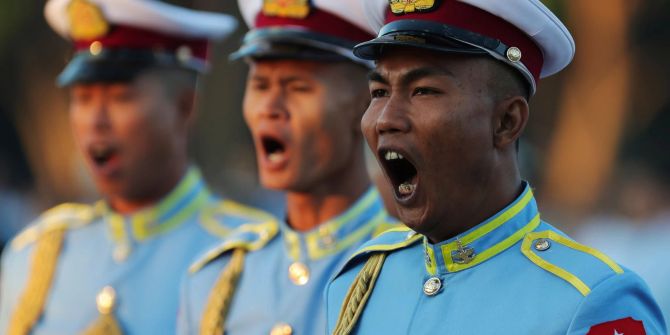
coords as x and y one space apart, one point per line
385 226
583 271
390 240
225 215
65 216
250 237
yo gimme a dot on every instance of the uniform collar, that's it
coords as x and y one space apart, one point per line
186 198
485 240
339 233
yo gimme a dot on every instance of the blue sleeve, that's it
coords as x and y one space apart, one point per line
618 303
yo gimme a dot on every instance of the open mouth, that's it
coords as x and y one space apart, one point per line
401 172
102 154
274 149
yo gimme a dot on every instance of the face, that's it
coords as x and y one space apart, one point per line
131 134
304 119
430 123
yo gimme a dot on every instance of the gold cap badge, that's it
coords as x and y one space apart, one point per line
409 6
294 9
86 20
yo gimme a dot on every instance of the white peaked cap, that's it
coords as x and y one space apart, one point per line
531 17
333 27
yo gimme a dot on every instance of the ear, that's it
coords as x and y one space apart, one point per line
510 120
186 106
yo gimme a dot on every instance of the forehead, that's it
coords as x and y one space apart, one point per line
286 67
395 62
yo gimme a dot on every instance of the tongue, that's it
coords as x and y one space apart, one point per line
275 156
406 188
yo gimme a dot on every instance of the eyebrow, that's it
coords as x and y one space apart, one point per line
283 80
413 75
376 76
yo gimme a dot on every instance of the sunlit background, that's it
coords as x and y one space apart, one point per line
597 149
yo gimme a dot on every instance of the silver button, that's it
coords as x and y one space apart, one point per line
281 329
432 286
121 253
184 54
514 54
542 244
298 273
105 300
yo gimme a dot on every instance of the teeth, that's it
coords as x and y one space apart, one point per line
391 155
406 188
275 157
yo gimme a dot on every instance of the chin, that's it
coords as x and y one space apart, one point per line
412 218
274 183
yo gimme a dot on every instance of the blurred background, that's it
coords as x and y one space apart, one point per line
597 149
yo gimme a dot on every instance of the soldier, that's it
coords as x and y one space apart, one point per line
304 98
449 101
114 267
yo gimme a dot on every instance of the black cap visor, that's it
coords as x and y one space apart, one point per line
118 65
292 43
428 35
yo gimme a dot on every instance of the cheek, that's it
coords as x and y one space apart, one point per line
368 124
79 123
148 126
249 107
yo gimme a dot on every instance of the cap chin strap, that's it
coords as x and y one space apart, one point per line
454 39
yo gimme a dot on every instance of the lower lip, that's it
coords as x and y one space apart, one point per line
407 200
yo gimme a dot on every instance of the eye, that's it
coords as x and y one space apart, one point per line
81 96
425 91
300 88
258 85
123 95
378 93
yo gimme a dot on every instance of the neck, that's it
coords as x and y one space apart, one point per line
158 189
501 190
307 210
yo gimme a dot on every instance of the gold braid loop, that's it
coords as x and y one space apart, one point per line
106 324
42 269
358 294
221 296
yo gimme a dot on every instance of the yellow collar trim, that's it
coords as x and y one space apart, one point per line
330 237
461 244
190 195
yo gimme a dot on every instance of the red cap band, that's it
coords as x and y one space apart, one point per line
461 15
318 21
127 37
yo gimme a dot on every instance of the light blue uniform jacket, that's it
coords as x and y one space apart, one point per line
270 296
512 274
141 257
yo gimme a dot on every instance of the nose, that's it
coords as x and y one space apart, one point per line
274 106
100 115
392 117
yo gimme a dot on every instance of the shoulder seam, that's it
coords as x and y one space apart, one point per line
389 247
571 278
65 216
265 231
